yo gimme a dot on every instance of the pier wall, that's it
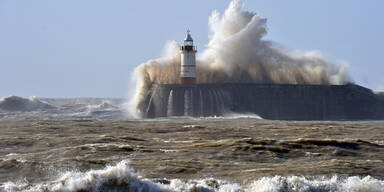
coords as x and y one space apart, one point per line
269 101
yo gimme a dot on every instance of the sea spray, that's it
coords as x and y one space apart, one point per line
237 53
170 104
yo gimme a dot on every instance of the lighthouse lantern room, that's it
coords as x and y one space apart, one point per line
188 61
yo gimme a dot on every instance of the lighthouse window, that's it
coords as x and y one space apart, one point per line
188 43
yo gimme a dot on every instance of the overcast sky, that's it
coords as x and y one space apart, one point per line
88 48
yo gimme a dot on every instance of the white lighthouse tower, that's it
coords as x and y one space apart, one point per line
188 61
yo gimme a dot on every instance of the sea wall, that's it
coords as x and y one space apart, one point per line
270 101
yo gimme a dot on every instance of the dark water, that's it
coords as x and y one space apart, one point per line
235 153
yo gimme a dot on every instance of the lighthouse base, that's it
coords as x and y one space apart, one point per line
188 81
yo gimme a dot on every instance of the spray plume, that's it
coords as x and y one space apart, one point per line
236 53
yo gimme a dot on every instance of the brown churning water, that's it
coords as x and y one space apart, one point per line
236 153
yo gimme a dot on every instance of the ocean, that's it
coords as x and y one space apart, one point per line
90 144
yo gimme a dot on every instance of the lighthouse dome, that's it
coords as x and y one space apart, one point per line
188 37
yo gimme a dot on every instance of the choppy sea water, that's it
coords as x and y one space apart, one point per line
96 108
90 145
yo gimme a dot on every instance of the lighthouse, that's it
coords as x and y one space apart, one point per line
188 61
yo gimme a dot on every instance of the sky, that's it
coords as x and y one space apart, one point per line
89 48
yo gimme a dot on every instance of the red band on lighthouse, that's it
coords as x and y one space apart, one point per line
187 81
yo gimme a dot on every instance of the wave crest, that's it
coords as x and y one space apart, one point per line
15 103
122 178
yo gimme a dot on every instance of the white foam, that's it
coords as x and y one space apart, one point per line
122 178
169 150
295 183
15 156
173 141
232 115
113 178
228 115
242 115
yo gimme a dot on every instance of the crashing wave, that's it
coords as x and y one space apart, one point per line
103 110
122 178
96 108
15 103
237 53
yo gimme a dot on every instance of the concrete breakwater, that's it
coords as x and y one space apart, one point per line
269 101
